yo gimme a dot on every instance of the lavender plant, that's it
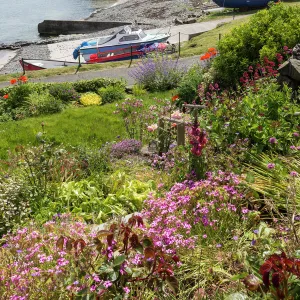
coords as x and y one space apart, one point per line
157 73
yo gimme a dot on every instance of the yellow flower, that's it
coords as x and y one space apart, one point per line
90 99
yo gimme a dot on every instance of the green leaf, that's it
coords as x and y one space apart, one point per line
113 276
239 276
172 283
119 260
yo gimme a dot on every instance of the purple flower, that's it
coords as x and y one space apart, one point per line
271 166
219 245
204 236
294 174
126 290
296 134
255 231
293 147
235 238
273 140
253 242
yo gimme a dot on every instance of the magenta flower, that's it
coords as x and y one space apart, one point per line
235 238
273 140
126 290
294 174
296 134
271 166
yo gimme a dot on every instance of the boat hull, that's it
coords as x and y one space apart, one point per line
242 3
86 53
38 64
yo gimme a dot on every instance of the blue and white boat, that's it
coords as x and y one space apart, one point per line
242 3
123 43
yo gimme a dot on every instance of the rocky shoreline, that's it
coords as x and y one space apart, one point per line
156 13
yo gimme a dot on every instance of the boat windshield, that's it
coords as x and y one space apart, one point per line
142 34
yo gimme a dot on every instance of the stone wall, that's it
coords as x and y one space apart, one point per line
57 27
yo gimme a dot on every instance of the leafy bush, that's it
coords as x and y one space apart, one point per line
88 99
18 95
188 87
157 73
64 92
111 93
93 85
138 90
14 203
42 104
126 147
263 36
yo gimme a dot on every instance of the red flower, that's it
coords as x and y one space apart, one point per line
23 78
174 98
13 81
5 96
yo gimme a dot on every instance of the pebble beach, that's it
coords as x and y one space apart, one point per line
154 13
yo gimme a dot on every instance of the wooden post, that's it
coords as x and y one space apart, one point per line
130 56
220 35
180 134
179 45
161 144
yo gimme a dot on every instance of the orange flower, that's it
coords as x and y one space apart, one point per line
5 96
207 55
13 81
173 125
23 78
212 49
174 98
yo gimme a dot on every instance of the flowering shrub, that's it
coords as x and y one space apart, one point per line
66 259
206 58
126 147
88 99
193 209
158 73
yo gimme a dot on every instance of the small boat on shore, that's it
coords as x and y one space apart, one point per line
242 3
124 44
39 64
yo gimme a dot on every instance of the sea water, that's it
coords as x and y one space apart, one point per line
19 18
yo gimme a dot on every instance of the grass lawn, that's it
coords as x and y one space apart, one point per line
201 43
86 126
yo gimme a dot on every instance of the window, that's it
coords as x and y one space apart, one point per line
133 37
142 34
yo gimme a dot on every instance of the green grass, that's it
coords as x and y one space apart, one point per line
199 45
75 126
88 126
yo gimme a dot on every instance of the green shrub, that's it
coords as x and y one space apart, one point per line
42 104
14 204
111 93
263 36
18 95
187 90
64 92
138 90
88 99
84 86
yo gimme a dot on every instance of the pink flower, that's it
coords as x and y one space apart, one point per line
273 140
294 174
176 115
271 166
152 127
126 290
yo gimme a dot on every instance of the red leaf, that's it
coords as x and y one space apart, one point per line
266 279
149 252
110 239
266 267
69 244
276 280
